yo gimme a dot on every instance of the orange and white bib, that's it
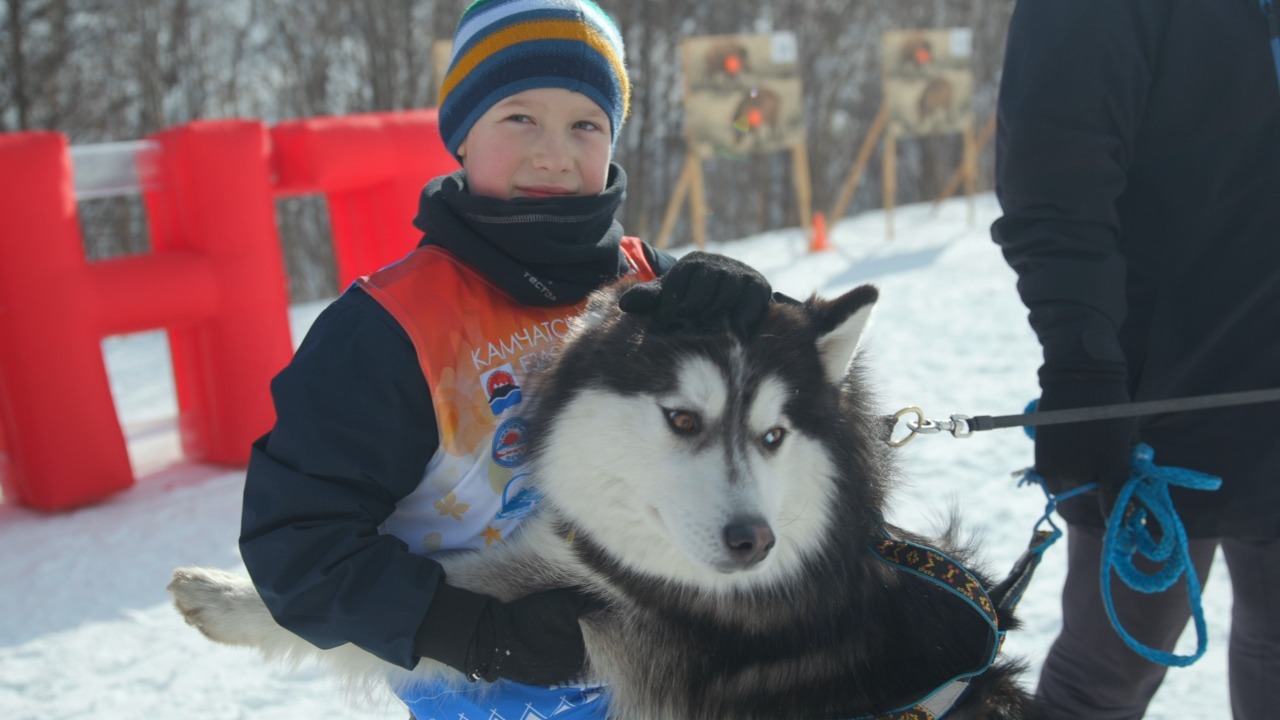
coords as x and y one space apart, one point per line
476 346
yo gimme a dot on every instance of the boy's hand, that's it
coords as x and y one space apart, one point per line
701 291
534 640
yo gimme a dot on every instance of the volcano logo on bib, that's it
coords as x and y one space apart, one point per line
501 388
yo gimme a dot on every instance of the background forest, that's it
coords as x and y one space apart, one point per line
113 70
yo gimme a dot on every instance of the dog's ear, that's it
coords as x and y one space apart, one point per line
840 323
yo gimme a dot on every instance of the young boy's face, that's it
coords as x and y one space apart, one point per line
539 143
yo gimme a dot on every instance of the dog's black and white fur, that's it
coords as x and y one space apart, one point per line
723 499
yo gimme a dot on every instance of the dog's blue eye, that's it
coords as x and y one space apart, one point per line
683 422
773 438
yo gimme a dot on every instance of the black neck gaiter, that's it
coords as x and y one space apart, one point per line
544 251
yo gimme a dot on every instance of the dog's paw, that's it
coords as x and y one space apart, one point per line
223 606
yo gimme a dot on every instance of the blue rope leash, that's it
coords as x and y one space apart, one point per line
1031 477
1129 532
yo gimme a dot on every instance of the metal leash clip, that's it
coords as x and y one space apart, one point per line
959 426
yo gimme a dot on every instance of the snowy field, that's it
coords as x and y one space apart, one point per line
87 631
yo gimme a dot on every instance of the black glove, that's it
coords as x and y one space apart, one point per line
534 640
1074 454
1084 367
701 291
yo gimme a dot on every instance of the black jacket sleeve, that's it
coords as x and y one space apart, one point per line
1072 98
355 429
660 261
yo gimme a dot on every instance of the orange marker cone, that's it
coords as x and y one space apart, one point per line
818 236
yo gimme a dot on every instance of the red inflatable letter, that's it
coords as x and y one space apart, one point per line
215 281
371 168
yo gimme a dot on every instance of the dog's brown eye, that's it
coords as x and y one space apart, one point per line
683 422
773 438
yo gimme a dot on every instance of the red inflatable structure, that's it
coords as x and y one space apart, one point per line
214 281
371 169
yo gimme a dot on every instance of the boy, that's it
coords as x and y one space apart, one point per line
398 430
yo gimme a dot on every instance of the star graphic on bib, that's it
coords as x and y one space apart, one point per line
491 535
449 505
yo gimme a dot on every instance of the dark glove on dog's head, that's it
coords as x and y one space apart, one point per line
701 292
1083 367
535 640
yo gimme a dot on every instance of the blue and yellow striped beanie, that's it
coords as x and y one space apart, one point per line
503 47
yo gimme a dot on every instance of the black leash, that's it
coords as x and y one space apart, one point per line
963 426
1009 591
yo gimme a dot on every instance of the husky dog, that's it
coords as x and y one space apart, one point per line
724 500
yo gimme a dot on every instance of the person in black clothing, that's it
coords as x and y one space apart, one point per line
398 431
1138 169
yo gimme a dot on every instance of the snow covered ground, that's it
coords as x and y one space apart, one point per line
86 629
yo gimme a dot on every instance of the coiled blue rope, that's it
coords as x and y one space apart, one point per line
1143 501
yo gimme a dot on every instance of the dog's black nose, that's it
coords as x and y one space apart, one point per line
749 540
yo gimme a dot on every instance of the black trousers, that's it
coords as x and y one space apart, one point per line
1090 674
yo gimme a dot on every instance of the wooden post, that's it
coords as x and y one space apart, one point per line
698 203
677 199
958 176
804 189
690 183
890 178
859 164
970 165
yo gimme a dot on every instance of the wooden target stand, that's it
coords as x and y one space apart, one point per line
966 174
690 185
959 176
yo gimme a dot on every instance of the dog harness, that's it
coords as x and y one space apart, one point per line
940 569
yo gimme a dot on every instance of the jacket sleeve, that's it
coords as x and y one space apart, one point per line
355 429
660 261
1072 98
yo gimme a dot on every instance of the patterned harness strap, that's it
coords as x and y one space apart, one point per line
938 568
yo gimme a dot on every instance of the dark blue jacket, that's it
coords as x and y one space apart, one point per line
355 429
1138 166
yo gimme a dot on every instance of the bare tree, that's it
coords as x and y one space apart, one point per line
38 47
102 70
396 37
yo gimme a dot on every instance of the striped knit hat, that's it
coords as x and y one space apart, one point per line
503 47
